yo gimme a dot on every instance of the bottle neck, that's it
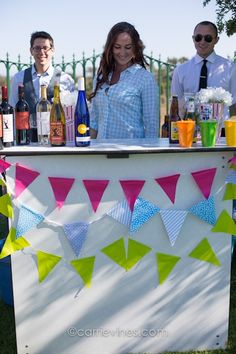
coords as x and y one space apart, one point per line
56 97
4 93
43 92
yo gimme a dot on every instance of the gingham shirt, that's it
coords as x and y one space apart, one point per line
127 109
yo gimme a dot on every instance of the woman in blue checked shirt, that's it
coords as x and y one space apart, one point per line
124 101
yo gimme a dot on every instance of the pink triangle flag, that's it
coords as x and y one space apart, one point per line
61 187
168 184
131 188
95 189
204 180
233 160
24 177
4 165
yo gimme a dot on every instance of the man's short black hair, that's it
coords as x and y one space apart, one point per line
40 34
207 23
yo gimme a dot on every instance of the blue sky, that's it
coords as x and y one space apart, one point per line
165 26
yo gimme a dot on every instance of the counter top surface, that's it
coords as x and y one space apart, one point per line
114 148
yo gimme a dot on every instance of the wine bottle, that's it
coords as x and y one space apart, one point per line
190 115
22 118
82 121
165 127
57 120
174 117
7 116
43 109
1 129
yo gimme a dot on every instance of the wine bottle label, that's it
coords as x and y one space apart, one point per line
174 134
57 133
80 139
22 120
82 128
8 136
43 123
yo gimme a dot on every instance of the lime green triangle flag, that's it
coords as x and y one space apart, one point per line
230 191
46 262
136 251
204 252
12 244
225 224
165 263
5 206
84 266
2 183
116 251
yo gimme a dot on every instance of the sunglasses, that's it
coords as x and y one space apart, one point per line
207 38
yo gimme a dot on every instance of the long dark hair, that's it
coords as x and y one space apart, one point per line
107 63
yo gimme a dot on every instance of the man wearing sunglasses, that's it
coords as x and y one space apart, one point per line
219 72
40 73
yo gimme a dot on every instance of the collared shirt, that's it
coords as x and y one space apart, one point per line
66 82
127 109
221 73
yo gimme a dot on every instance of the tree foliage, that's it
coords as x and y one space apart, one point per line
226 15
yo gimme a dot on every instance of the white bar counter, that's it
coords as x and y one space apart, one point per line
122 311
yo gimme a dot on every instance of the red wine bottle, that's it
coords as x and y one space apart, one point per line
22 119
7 116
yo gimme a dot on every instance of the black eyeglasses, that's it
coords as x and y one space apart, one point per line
207 38
38 49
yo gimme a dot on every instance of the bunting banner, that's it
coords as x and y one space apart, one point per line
233 161
76 234
143 211
205 210
95 190
204 252
225 224
84 267
5 206
204 180
165 265
12 244
230 191
24 177
231 178
4 166
61 187
116 252
28 219
131 189
46 262
173 221
121 212
169 184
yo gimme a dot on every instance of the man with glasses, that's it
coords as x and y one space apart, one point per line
40 73
205 69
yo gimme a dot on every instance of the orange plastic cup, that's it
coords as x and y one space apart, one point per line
186 132
230 132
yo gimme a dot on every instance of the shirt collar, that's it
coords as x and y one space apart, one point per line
211 58
48 72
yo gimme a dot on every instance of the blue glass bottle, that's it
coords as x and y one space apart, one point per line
82 121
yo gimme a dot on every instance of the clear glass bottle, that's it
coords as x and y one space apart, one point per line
43 110
22 118
57 120
8 119
82 120
174 117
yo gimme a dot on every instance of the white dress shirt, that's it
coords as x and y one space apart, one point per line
221 73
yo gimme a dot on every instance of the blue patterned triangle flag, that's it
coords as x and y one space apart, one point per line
205 210
231 178
121 212
173 221
76 234
143 211
28 219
